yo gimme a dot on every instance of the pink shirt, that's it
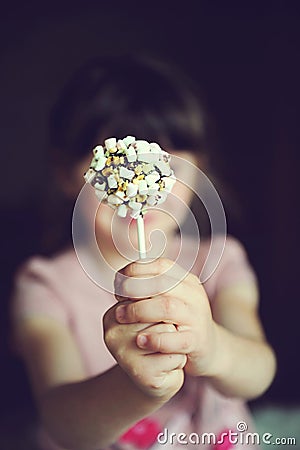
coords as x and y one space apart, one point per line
60 289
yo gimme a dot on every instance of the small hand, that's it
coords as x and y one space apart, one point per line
159 292
156 374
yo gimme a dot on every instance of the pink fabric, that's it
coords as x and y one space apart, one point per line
60 289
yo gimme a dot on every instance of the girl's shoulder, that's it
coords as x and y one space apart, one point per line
218 262
59 274
52 286
42 267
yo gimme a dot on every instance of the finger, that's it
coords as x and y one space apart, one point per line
161 328
158 309
146 271
181 342
138 288
162 363
144 268
159 372
150 278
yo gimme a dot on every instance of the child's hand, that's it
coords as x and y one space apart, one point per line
157 375
185 305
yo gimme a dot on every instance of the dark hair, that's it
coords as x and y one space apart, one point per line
126 95
117 97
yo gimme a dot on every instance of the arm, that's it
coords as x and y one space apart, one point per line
246 362
79 413
226 345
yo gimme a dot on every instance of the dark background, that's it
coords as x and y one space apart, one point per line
246 58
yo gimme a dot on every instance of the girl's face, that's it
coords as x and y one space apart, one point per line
112 230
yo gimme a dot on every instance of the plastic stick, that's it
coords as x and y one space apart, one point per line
141 237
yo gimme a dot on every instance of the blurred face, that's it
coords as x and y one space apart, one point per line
112 231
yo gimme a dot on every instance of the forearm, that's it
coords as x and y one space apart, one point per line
243 367
92 414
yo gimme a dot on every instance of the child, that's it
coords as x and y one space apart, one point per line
181 361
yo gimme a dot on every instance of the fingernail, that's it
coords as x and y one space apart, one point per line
120 313
142 340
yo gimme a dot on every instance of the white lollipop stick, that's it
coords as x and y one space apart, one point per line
141 236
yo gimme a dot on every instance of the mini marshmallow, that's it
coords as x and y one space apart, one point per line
112 182
148 157
142 146
135 205
120 194
155 147
152 178
147 168
169 182
161 197
126 173
153 189
152 201
142 187
122 210
110 143
89 175
121 145
131 190
128 140
114 200
163 167
98 151
131 154
100 164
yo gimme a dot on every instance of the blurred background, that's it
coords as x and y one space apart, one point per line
246 58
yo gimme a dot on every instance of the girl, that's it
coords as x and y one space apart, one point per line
177 361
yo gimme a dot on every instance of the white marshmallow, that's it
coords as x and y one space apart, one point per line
169 182
112 182
131 190
131 154
163 167
114 200
147 168
152 201
89 175
126 173
110 143
148 157
142 146
152 178
142 187
98 151
122 210
161 197
129 140
100 163
121 144
153 189
135 205
100 186
120 194
155 147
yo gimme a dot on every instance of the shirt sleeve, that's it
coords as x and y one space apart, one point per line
234 268
34 292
